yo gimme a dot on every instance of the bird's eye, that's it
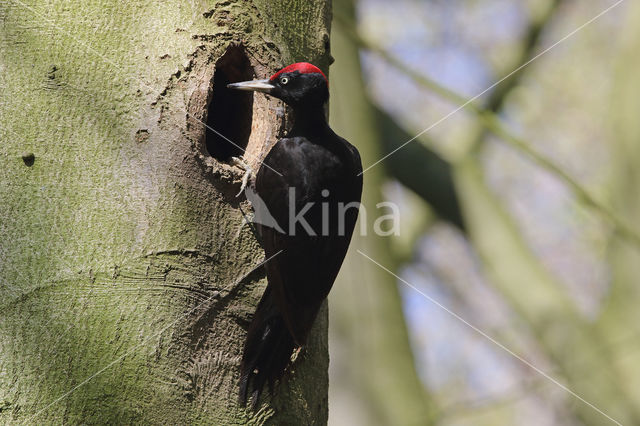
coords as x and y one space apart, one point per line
284 80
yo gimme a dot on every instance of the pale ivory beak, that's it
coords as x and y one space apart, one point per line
254 85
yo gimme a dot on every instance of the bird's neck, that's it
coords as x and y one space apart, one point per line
309 119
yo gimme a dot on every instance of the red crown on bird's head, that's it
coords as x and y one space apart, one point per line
302 68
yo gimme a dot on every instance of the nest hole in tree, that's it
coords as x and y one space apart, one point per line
229 114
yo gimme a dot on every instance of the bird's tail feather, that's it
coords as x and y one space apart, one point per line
267 351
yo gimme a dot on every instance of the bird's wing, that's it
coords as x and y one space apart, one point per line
303 272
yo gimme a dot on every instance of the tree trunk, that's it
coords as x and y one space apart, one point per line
366 302
620 321
127 277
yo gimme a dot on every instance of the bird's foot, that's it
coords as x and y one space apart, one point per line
296 353
248 171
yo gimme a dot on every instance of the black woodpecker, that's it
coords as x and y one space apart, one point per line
310 182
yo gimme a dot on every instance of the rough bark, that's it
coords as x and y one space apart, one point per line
126 281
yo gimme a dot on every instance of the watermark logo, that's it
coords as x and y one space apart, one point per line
324 217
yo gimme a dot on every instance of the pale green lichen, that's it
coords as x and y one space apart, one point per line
80 292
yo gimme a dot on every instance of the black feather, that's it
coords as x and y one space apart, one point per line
325 171
267 351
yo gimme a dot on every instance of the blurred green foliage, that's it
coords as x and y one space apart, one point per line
537 177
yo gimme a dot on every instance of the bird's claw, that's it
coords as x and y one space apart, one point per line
248 171
296 353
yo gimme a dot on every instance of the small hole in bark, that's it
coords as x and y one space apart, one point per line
28 158
230 111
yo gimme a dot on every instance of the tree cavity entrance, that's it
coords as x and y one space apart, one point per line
229 114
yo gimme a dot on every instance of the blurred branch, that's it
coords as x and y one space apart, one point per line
534 294
422 170
511 79
492 123
472 406
375 337
531 291
530 41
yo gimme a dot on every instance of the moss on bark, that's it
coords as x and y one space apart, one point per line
124 292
